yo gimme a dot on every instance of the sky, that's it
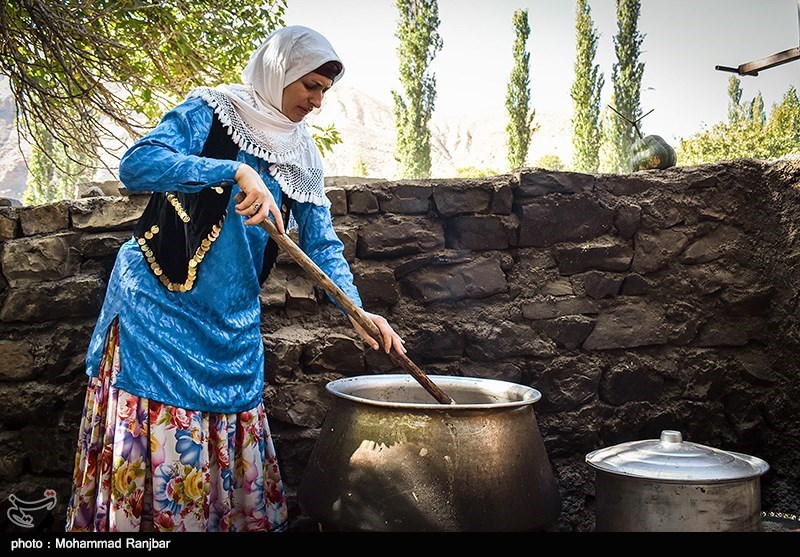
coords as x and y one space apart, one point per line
684 40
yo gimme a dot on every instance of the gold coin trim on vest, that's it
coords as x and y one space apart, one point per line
194 262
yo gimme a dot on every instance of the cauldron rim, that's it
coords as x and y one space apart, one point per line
452 385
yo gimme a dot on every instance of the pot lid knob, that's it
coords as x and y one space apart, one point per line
671 436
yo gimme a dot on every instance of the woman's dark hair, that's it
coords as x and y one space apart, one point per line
330 69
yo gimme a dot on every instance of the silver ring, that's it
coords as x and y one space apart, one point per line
256 206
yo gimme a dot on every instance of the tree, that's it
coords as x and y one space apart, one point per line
53 176
419 42
783 129
84 73
520 115
550 161
749 135
585 94
626 75
360 167
735 110
474 172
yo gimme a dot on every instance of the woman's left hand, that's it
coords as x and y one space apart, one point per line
390 338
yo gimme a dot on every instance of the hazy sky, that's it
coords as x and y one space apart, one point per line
683 42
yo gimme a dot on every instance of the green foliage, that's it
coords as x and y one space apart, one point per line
585 93
750 135
360 167
94 70
550 161
419 42
474 172
626 75
53 175
735 110
520 116
326 137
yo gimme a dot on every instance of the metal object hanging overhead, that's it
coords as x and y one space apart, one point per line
752 68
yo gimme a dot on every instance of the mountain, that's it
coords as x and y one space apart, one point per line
367 129
477 139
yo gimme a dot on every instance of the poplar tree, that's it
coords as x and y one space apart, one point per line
585 93
419 42
735 110
52 174
519 128
626 75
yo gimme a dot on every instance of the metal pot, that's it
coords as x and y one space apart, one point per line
390 458
671 485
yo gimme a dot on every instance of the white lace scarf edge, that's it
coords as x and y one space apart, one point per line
282 163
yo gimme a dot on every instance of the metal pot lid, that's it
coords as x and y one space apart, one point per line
670 458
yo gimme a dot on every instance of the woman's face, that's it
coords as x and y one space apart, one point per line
304 95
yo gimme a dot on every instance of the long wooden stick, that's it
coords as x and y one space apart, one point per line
350 307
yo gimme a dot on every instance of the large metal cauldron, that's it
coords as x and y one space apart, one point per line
390 458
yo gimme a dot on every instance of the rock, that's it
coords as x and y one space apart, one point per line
495 341
102 244
568 383
568 331
397 237
479 232
98 189
471 196
635 285
627 219
17 360
376 286
44 219
299 404
92 191
711 246
654 249
335 353
438 283
555 219
338 198
599 285
41 258
625 383
107 213
301 297
362 202
404 198
77 296
9 223
537 182
548 309
628 326
601 255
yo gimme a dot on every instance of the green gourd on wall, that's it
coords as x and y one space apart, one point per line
649 152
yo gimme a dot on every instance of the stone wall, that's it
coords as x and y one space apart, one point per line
636 303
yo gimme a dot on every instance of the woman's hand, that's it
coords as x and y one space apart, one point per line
258 203
390 338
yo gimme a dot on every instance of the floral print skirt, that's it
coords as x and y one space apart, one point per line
144 466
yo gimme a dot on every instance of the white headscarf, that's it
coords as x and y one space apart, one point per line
251 111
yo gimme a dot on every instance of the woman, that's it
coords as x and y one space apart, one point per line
174 435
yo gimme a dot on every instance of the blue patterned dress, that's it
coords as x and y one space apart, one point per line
174 434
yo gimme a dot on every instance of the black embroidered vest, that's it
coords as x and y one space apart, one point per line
177 229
